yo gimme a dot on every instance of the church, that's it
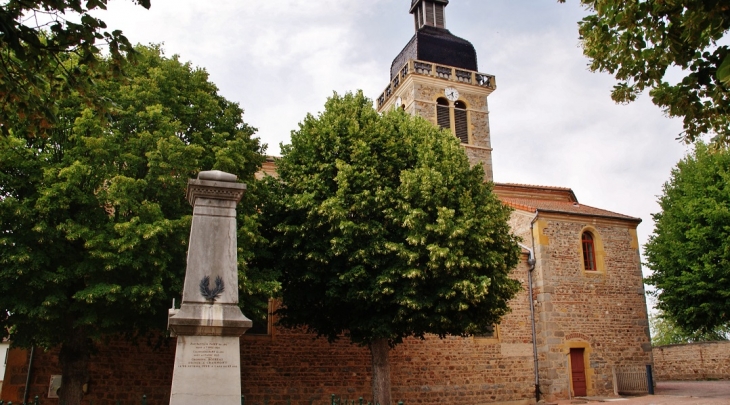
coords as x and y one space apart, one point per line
578 323
586 296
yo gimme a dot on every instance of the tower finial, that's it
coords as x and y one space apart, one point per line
429 12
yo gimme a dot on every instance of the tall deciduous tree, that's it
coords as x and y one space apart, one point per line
689 251
640 41
93 218
386 232
665 331
35 36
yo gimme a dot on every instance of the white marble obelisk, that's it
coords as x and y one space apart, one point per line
209 323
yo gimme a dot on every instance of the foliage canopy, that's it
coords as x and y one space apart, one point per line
386 232
689 251
640 41
94 223
38 34
665 332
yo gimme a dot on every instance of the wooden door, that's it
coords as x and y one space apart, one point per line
578 372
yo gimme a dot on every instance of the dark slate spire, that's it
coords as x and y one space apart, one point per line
433 42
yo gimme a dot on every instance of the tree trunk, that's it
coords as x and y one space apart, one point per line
379 350
74 360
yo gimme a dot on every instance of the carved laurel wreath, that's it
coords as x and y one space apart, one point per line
207 293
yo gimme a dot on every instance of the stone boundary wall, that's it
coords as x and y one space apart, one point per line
692 361
300 369
291 367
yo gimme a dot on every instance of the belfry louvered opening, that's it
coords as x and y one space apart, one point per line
442 113
429 8
455 119
461 122
431 13
440 15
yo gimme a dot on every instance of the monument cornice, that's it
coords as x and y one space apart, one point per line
217 190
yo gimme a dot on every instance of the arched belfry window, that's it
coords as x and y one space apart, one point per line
461 125
443 118
589 252
457 122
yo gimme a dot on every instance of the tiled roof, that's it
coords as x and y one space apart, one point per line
513 190
268 168
550 199
532 186
534 205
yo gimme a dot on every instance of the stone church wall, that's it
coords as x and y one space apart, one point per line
601 312
694 361
292 365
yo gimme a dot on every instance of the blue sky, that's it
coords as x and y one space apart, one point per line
552 121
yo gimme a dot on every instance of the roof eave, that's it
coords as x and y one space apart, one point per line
581 214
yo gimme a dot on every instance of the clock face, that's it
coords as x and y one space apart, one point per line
451 93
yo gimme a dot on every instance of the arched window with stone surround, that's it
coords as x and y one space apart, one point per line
589 252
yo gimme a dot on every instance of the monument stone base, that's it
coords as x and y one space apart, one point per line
207 371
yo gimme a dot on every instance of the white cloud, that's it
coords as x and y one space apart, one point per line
552 120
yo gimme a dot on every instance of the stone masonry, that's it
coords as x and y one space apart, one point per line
291 365
693 361
602 312
419 93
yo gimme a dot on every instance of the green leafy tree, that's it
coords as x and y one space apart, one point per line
93 218
35 36
689 251
664 332
640 41
385 232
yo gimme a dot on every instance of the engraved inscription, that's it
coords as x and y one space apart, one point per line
207 355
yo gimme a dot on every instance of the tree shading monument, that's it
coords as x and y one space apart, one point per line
93 217
209 322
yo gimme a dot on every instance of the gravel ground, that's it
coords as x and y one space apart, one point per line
703 389
672 393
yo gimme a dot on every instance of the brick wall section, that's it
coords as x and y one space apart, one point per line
119 371
296 366
291 365
694 361
519 222
603 313
470 370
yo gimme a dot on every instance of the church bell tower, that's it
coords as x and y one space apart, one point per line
436 76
